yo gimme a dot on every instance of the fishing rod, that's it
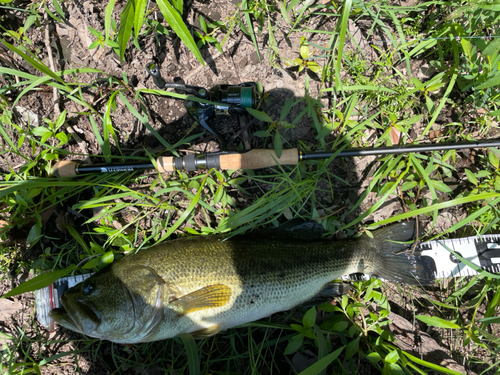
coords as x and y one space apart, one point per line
233 100
253 159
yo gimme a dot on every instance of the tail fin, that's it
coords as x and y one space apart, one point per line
402 268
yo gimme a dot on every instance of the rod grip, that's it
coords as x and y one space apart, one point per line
65 168
256 159
165 164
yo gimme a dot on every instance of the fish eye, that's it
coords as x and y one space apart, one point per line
88 289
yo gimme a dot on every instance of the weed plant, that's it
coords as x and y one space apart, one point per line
383 98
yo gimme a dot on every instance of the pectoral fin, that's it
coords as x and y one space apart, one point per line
205 298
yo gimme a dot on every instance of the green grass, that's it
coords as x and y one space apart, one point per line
379 95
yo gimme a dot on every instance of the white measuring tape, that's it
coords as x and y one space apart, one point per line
483 251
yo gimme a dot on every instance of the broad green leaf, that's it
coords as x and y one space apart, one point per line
340 326
304 48
106 259
471 176
29 21
435 321
203 24
175 21
306 332
40 131
286 109
63 138
309 318
396 369
345 300
392 357
108 11
294 344
374 357
38 282
352 348
493 81
126 24
91 263
259 115
34 234
94 32
261 133
493 48
492 7
314 67
409 185
292 62
140 12
61 119
493 159
441 186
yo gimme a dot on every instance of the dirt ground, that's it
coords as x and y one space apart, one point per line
239 63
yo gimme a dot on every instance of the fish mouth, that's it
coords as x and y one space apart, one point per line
76 315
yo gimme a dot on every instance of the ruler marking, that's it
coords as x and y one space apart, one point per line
458 264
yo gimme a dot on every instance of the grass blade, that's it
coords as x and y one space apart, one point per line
108 11
125 29
38 282
244 4
175 21
192 353
438 206
346 8
140 12
34 63
322 363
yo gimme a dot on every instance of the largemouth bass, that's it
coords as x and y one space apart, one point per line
206 284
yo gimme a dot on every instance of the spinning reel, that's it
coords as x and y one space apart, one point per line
230 100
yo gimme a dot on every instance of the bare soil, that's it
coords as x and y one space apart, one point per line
239 63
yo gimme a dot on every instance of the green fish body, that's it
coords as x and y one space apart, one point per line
206 284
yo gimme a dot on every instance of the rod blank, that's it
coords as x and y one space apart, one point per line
253 159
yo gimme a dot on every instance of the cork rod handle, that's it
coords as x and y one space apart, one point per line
256 159
65 168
